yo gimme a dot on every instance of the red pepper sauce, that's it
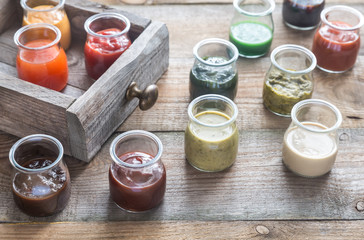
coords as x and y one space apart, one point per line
137 189
102 52
336 50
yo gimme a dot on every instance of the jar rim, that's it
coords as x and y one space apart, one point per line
213 97
16 165
304 50
25 28
143 133
345 9
25 6
107 15
219 41
302 103
271 8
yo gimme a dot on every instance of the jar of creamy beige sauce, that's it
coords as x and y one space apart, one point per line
310 143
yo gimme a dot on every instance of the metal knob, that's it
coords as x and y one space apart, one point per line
147 98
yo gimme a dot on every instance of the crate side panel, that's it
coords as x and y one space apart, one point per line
7 14
103 107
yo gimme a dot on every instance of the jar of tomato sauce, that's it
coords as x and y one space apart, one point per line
107 39
44 11
137 175
41 60
336 43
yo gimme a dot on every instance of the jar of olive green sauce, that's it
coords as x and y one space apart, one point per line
289 79
211 136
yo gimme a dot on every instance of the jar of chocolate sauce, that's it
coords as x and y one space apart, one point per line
40 178
302 14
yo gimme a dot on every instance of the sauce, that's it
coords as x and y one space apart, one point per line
307 153
252 39
208 148
137 189
205 79
102 52
47 67
336 50
41 194
281 93
57 18
302 14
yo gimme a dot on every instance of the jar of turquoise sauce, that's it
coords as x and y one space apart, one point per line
251 28
214 70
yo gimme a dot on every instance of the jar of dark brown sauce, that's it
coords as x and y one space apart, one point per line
302 14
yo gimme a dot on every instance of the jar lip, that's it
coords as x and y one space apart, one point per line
302 103
255 14
285 47
25 6
107 15
146 134
34 26
219 41
213 97
16 165
346 9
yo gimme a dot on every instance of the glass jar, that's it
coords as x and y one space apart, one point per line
311 141
211 136
107 39
40 59
289 78
251 28
40 179
302 14
52 12
137 175
214 70
336 42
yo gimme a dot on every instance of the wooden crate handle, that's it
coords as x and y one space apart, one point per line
147 98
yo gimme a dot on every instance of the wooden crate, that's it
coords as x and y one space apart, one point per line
86 112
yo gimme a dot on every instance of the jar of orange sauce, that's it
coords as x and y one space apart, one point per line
42 11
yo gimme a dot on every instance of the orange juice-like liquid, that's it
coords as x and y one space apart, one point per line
57 18
45 67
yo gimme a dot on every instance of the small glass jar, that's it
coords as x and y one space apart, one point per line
52 12
40 179
336 43
311 141
289 78
40 59
137 175
302 14
211 136
107 39
251 28
214 70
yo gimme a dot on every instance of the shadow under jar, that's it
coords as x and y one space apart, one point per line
289 78
40 179
214 70
107 39
137 176
311 141
211 136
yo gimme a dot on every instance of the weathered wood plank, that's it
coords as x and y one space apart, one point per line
7 14
282 230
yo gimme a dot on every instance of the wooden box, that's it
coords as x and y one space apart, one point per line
86 112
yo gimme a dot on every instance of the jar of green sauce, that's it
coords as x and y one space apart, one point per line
211 136
289 78
251 28
214 70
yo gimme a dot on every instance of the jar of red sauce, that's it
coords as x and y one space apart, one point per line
41 60
107 39
40 179
137 175
336 43
52 12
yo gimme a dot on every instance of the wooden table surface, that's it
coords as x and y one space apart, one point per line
257 197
